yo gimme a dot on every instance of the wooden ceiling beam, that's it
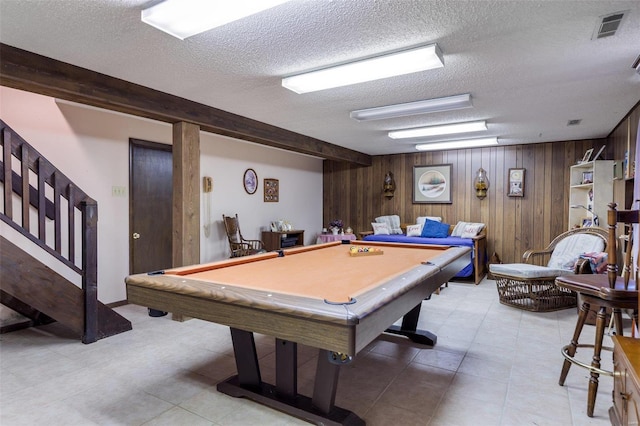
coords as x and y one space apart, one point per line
35 73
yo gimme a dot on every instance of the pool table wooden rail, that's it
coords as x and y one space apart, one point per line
303 320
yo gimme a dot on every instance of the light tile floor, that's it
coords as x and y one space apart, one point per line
492 365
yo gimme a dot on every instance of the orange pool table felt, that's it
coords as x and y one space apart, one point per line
329 273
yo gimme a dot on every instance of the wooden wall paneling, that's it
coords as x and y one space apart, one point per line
375 186
530 213
546 185
403 186
405 178
487 163
390 205
511 213
496 223
619 138
356 174
466 195
560 183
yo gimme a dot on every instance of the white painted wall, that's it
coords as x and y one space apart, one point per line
91 147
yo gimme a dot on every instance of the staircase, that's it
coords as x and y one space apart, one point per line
45 213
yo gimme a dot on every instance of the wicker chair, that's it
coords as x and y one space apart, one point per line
532 287
610 291
237 243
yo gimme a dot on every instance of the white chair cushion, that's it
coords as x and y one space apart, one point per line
392 221
526 271
568 250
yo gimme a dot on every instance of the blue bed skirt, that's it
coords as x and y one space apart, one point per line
466 272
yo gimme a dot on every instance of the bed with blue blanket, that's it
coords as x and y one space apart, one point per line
476 269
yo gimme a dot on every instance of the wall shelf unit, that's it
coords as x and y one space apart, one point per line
590 192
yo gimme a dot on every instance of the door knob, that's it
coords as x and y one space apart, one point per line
136 235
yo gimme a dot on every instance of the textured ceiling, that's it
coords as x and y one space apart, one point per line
530 66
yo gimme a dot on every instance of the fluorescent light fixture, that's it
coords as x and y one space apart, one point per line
467 143
445 129
388 65
184 18
414 108
636 64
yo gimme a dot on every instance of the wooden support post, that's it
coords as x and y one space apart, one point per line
186 196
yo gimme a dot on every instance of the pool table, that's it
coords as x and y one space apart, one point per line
326 296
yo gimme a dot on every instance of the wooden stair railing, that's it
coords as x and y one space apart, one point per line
55 204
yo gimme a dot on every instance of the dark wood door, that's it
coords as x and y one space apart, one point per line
150 217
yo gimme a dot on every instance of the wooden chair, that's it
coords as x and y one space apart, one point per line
237 243
618 293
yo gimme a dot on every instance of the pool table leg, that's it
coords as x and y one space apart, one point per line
284 395
286 368
410 329
244 348
326 383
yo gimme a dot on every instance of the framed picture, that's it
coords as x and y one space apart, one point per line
587 177
516 183
271 190
432 184
250 181
587 156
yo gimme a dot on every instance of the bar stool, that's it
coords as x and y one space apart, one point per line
607 291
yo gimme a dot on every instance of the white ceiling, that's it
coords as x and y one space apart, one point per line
530 66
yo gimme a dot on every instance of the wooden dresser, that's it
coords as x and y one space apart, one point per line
626 381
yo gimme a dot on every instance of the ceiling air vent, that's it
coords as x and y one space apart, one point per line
574 122
608 25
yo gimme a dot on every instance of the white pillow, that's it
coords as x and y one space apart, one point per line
421 219
471 230
393 223
380 228
414 230
460 227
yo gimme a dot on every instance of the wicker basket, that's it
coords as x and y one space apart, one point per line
533 294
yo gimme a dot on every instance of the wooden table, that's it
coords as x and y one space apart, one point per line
316 295
329 238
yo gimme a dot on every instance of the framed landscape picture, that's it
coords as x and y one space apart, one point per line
432 184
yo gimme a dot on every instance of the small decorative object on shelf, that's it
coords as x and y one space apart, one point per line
336 226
